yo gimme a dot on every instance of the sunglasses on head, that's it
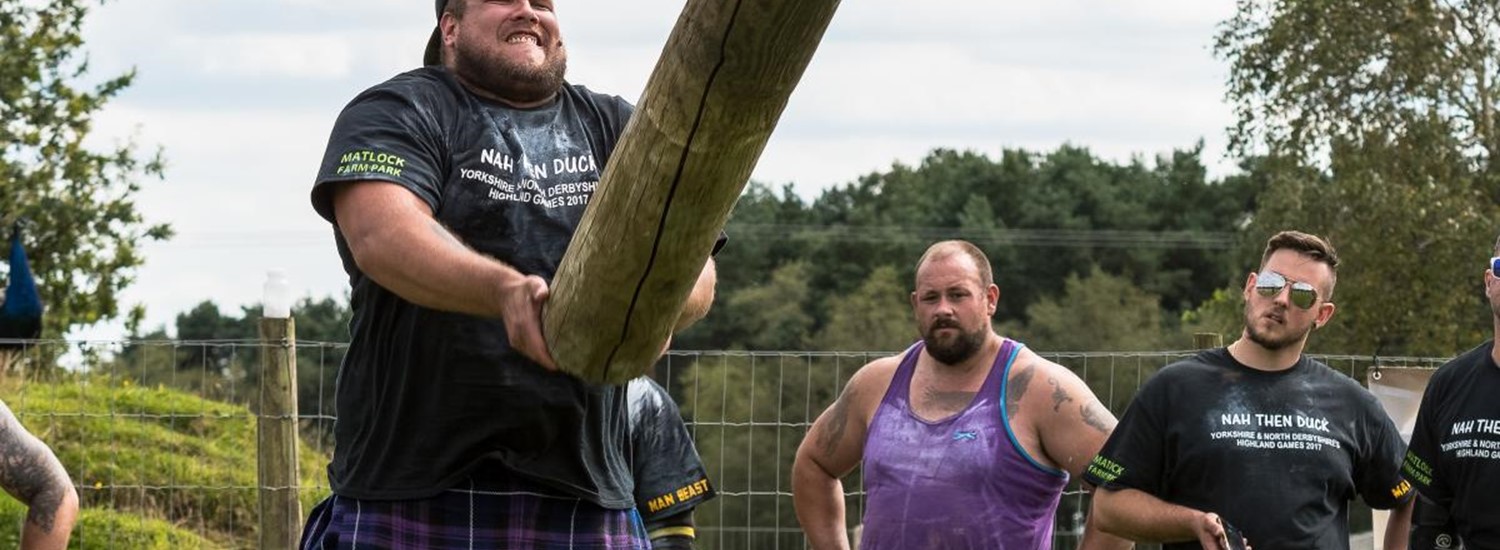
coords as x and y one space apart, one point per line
1495 266
1269 285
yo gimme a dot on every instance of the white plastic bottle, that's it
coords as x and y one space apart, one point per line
277 303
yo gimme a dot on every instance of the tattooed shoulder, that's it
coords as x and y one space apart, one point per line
838 421
1059 395
1096 416
1016 388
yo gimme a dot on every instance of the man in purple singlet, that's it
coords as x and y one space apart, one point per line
967 439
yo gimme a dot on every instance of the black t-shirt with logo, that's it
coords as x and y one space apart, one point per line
423 395
1277 454
669 475
1454 457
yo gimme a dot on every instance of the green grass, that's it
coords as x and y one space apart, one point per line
155 467
107 529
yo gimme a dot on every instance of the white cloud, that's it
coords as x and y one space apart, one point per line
314 56
236 192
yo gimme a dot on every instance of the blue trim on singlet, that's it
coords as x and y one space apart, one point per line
1005 417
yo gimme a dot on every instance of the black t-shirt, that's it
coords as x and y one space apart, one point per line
423 396
669 475
1277 454
1454 457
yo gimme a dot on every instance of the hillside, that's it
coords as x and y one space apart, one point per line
155 467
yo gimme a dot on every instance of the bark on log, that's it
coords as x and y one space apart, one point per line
709 107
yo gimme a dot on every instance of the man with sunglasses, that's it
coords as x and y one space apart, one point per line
1454 457
1256 435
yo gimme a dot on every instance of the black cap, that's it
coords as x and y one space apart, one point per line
434 53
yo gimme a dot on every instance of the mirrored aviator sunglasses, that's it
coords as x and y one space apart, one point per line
1270 283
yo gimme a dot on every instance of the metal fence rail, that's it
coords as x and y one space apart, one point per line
156 430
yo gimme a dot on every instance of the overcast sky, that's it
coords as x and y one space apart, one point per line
241 95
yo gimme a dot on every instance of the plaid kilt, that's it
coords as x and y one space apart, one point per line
503 514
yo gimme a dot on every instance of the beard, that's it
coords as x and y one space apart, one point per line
961 348
497 75
1271 341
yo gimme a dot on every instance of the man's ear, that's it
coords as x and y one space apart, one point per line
449 27
1325 314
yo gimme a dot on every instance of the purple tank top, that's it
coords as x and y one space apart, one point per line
961 482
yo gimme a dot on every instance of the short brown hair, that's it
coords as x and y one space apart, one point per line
944 249
1308 245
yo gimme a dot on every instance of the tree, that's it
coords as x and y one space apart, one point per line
875 317
82 201
1410 228
774 315
757 245
1098 312
1375 125
1304 73
1039 216
218 356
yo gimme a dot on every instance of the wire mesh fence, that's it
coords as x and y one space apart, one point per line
159 436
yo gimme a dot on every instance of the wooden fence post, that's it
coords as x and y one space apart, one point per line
1208 340
276 436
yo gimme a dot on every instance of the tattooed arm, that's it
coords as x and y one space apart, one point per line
1070 422
31 473
1072 426
388 228
832 448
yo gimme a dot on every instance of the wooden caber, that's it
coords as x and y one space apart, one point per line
721 84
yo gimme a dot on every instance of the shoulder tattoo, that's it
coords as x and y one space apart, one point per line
1059 395
1092 416
1017 388
838 421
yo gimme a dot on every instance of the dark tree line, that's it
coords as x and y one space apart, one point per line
793 268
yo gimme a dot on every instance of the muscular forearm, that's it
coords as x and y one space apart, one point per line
398 244
1095 538
423 263
1141 517
819 502
1398 526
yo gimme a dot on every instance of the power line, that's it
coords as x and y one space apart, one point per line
1059 238
1041 238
